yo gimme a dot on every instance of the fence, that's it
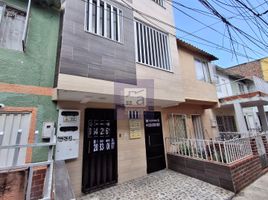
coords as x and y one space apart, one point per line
16 148
211 150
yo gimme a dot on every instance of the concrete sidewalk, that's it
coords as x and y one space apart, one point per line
258 190
162 185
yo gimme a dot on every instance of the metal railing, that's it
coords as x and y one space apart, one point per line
30 166
210 150
243 86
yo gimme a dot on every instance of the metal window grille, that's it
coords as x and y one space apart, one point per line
152 47
160 2
134 114
104 19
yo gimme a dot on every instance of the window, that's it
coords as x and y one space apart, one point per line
241 88
103 19
218 85
177 126
226 123
13 27
198 127
160 2
10 124
202 71
152 47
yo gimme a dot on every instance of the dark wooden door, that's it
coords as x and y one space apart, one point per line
100 149
154 142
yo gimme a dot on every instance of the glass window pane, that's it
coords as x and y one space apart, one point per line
109 34
206 72
101 25
94 16
199 71
115 24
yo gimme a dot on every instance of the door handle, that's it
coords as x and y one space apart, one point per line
88 150
149 140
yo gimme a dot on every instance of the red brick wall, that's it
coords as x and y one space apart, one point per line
38 183
232 177
264 139
12 185
247 69
245 172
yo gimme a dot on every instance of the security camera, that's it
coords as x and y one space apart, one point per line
2 105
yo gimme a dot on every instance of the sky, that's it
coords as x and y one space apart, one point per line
216 40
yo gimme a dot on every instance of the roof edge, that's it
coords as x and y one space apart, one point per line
183 44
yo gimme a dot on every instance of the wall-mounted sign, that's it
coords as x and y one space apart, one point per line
135 128
135 97
152 123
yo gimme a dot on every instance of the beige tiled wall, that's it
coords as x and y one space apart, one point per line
131 153
193 88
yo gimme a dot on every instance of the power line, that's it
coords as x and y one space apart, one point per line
215 30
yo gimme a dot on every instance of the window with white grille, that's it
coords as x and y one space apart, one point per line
10 125
177 126
103 19
152 47
160 2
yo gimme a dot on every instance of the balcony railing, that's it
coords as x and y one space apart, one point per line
241 87
225 152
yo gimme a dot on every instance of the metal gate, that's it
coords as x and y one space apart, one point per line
12 124
100 149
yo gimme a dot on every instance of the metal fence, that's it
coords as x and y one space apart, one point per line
17 147
211 150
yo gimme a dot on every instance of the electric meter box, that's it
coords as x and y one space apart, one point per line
68 135
47 130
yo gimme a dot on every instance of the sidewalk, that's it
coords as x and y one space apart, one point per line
258 190
162 185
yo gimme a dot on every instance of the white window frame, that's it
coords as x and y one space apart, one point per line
206 72
155 51
88 20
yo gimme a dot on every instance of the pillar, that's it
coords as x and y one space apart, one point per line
263 118
240 120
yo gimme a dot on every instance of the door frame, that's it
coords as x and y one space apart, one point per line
163 139
86 191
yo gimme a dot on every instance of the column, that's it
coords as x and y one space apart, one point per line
263 118
240 120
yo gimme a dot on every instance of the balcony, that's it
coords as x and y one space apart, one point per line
245 88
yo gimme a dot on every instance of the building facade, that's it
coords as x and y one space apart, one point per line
258 68
124 84
243 102
28 40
